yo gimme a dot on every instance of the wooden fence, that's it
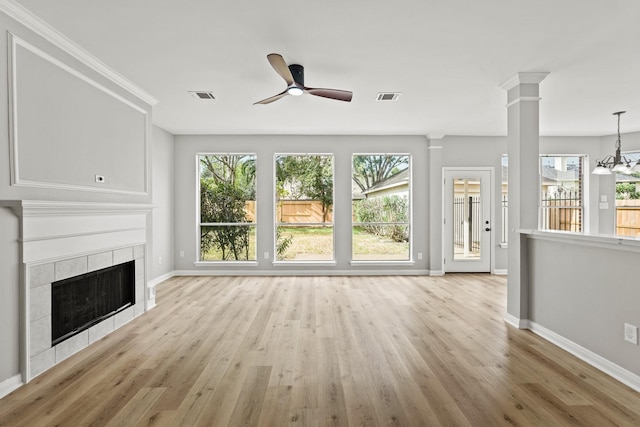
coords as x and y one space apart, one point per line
561 211
294 211
628 217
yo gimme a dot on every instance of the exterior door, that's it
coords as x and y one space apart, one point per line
467 220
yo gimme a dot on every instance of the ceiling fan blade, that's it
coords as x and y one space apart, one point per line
340 95
273 98
281 67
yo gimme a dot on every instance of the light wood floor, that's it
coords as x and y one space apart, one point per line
317 351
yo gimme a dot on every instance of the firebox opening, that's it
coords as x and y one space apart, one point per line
82 301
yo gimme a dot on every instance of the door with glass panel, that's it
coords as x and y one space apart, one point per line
467 222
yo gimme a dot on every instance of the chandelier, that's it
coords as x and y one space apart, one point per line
616 163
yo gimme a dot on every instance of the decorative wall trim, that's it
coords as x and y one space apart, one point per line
515 322
14 42
53 36
524 78
500 271
155 282
624 376
523 99
436 273
10 384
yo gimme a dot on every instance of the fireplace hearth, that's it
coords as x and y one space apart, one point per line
79 302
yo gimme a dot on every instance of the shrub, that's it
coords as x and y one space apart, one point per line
384 210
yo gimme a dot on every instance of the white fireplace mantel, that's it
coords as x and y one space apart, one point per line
62 239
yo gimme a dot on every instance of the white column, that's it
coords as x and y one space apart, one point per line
523 149
436 217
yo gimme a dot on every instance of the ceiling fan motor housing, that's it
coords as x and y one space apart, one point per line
297 71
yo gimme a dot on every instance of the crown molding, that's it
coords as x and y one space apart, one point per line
40 27
524 78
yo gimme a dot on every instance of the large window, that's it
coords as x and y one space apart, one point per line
561 193
380 207
227 208
304 207
628 200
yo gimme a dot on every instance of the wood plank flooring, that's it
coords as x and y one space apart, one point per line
323 351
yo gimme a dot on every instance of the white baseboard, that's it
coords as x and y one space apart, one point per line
515 322
10 384
153 282
619 373
500 271
306 272
436 272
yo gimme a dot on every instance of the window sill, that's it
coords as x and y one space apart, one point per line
305 263
226 263
369 263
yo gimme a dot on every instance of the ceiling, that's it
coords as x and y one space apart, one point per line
447 57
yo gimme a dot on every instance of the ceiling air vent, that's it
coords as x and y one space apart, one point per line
388 96
202 94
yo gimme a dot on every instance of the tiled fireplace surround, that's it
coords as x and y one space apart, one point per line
59 240
42 355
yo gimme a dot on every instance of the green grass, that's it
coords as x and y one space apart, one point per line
316 243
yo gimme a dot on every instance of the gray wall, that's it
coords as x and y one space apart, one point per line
187 147
72 123
162 245
586 294
9 295
582 292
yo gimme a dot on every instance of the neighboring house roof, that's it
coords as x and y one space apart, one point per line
399 179
551 175
627 178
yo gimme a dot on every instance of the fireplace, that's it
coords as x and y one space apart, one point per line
60 241
82 301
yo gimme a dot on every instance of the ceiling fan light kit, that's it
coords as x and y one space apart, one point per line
293 75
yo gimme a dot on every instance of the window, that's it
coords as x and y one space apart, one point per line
304 207
227 208
628 200
380 207
561 192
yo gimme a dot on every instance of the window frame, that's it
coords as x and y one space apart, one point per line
633 155
277 224
583 190
200 224
408 223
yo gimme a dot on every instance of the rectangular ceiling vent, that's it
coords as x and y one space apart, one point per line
388 96
202 94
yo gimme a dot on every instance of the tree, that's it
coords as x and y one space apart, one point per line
222 202
227 182
238 170
306 177
626 191
368 170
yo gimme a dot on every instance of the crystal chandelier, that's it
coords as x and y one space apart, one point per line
616 163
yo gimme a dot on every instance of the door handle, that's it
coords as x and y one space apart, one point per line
487 229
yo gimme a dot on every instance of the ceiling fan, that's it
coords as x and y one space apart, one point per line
294 76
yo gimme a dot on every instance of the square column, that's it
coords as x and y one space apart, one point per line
436 267
523 134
